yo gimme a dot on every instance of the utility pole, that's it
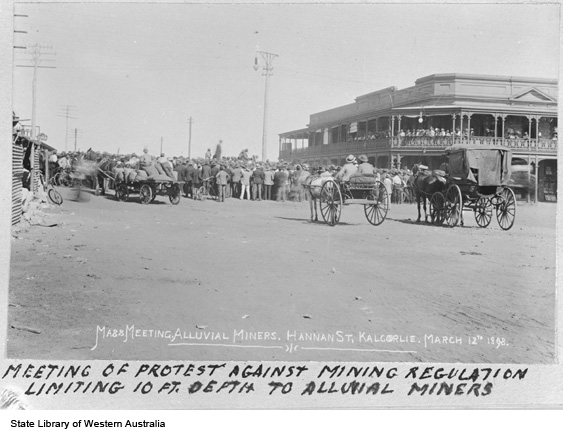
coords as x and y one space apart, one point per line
190 121
77 135
268 59
161 140
68 112
36 52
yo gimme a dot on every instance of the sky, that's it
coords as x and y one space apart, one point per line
132 75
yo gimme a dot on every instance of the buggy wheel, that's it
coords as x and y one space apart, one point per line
454 205
376 213
121 192
145 194
55 196
174 194
331 202
201 193
437 208
483 212
506 209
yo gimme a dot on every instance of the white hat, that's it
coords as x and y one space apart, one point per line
350 159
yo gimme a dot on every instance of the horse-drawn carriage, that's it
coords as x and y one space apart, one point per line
149 189
360 189
476 180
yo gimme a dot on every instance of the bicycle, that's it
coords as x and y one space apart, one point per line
61 178
207 189
54 196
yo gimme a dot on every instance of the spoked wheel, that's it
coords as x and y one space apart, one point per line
145 194
506 209
121 192
55 196
376 213
437 208
331 202
174 194
201 193
454 205
483 212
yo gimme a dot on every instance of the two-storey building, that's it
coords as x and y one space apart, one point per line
397 128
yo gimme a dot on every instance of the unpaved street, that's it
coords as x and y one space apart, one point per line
246 280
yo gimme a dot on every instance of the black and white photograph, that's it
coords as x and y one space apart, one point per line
372 183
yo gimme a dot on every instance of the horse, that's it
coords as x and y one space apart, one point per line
424 184
313 185
105 168
82 170
97 168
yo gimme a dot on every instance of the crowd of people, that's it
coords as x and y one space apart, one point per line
241 177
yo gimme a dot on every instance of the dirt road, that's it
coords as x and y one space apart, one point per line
245 280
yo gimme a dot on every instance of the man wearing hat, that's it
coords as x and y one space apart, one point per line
222 178
397 187
348 169
237 175
257 182
146 159
281 178
245 182
268 182
365 167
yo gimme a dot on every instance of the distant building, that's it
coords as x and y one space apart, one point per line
397 128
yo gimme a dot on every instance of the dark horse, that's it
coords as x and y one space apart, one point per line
101 168
424 184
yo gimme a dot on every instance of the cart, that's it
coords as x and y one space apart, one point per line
363 190
477 179
149 189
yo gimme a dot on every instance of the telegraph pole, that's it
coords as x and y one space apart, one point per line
36 59
190 121
77 135
267 69
67 114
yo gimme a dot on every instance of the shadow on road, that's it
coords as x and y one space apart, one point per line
308 221
426 224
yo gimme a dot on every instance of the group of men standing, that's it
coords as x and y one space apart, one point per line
238 180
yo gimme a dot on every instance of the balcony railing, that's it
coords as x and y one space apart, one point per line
422 142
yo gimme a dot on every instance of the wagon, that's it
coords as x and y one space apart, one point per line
477 179
363 190
149 189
